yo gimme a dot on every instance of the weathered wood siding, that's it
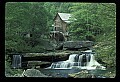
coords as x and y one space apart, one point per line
64 25
60 25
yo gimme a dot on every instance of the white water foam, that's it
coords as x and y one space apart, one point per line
84 61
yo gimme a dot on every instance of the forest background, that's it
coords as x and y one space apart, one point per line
97 20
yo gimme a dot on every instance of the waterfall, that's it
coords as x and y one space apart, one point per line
85 60
16 61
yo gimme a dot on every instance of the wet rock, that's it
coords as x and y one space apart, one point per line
38 64
109 74
33 73
77 44
101 67
82 74
59 46
50 57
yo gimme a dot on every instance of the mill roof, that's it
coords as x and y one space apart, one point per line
65 17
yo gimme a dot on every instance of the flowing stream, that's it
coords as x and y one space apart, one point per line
76 63
64 73
84 60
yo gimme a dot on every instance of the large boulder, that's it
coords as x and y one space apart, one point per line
77 44
33 73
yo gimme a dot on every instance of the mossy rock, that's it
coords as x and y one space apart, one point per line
33 73
82 74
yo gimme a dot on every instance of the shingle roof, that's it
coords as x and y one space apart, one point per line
65 17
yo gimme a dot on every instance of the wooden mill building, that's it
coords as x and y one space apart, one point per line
61 26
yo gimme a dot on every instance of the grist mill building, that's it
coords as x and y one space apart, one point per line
61 26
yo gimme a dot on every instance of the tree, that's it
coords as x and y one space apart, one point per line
93 18
99 21
64 7
23 18
15 15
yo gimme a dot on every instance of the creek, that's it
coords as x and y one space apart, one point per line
76 63
84 61
63 73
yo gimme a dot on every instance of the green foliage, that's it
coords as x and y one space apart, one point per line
54 7
106 47
92 19
11 72
32 18
96 22
24 18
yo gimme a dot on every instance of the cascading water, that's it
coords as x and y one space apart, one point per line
16 62
85 60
